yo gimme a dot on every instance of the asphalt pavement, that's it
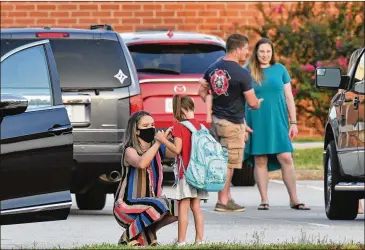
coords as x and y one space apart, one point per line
278 225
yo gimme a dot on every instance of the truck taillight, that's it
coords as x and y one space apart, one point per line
52 34
135 103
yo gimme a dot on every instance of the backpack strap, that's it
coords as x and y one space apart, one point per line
179 163
203 127
189 126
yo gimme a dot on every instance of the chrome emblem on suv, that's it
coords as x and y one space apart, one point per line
179 89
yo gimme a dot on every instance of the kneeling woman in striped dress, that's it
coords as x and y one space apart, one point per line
139 205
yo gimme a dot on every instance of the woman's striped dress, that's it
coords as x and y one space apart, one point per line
139 202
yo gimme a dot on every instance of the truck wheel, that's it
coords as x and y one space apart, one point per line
93 199
340 205
244 176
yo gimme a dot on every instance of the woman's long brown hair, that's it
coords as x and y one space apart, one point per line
254 63
130 136
179 103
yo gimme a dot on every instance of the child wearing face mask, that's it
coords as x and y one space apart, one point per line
188 196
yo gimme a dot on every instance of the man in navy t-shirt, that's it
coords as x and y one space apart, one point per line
231 87
228 80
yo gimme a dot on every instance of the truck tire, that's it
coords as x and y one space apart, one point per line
93 199
339 205
244 176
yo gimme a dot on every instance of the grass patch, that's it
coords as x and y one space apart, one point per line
235 246
308 159
308 139
304 241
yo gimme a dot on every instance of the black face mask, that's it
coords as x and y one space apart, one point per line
147 134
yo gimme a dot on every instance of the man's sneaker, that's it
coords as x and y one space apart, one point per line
234 204
230 207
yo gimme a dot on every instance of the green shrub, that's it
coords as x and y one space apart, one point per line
307 35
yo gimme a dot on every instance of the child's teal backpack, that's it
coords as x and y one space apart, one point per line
207 167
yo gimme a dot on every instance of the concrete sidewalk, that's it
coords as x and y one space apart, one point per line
303 145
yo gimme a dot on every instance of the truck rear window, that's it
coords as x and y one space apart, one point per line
178 59
85 63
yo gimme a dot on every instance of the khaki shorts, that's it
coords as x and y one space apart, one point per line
231 136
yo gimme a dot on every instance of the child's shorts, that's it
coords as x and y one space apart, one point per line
184 190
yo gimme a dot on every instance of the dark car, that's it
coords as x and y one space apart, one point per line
100 90
344 140
172 62
35 137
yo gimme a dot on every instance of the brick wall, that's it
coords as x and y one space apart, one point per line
214 18
207 17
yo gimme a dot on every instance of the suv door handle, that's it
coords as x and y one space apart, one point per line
348 100
356 103
58 130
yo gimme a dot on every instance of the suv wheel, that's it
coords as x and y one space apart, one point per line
244 176
339 205
93 199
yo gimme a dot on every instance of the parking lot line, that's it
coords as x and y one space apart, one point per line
299 185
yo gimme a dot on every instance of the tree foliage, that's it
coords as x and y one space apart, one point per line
307 35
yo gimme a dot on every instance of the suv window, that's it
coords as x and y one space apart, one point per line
179 59
85 63
26 73
359 71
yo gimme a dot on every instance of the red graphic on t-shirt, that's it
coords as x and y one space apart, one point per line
219 79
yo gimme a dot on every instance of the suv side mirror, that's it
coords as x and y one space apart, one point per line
12 105
329 78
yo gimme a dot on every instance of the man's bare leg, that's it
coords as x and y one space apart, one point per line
225 194
360 209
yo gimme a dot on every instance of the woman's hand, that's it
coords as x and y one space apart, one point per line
160 136
293 131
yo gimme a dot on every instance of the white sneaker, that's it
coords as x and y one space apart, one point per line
180 243
199 243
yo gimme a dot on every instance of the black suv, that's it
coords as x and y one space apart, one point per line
35 138
100 90
344 140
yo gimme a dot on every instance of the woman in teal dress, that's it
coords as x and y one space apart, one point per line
269 147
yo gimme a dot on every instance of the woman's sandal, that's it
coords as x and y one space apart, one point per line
122 240
123 243
299 206
263 206
154 243
134 243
